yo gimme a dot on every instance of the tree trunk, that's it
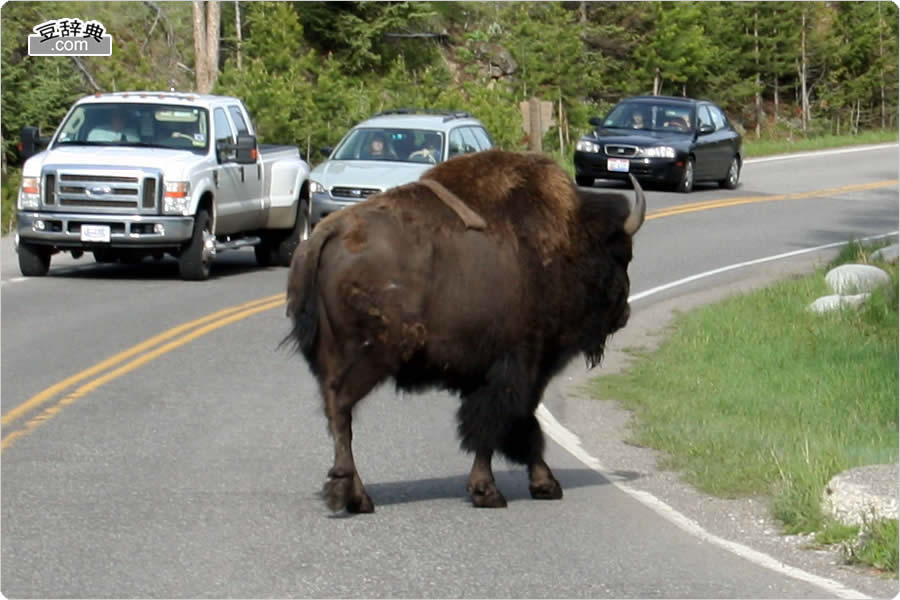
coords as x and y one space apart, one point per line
776 100
237 28
758 94
804 94
201 74
881 64
657 82
213 21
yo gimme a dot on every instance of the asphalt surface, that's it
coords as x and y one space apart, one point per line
196 473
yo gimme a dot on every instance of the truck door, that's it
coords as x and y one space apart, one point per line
250 193
227 177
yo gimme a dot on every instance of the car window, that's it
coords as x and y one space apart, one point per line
224 133
457 145
392 144
718 117
652 116
482 141
238 120
704 117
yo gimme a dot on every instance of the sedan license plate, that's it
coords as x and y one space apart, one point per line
95 233
617 165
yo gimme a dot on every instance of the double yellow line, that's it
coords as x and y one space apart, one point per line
151 349
154 347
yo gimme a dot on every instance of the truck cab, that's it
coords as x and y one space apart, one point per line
136 174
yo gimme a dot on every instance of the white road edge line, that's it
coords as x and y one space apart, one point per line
572 443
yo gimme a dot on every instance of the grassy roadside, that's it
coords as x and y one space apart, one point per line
754 148
756 395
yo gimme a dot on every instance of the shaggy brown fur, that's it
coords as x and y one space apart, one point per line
402 286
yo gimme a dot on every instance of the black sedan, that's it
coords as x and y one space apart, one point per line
675 141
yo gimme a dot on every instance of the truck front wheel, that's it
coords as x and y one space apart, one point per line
197 255
34 261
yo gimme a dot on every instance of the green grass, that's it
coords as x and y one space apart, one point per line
757 395
878 547
765 147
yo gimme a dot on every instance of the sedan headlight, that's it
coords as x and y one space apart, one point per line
315 186
657 152
587 146
177 198
30 193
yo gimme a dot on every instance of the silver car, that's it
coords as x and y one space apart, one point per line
387 150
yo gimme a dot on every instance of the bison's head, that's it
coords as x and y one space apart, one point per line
609 221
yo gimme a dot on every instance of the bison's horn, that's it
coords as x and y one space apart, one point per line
636 216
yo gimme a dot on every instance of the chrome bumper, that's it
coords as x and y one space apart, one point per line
126 231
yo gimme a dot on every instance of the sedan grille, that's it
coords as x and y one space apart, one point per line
622 150
353 192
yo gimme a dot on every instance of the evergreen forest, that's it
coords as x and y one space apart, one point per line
309 70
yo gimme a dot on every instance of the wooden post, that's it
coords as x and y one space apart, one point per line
535 131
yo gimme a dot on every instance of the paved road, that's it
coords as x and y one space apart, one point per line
191 467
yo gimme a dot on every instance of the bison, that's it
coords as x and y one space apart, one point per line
485 277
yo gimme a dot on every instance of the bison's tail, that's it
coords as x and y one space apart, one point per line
303 292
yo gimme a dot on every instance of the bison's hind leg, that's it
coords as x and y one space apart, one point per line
344 383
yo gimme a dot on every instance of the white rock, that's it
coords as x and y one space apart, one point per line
849 279
836 302
889 254
862 494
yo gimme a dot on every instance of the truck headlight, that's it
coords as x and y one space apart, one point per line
657 152
315 186
30 193
587 146
177 198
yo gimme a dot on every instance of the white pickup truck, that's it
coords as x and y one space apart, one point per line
134 174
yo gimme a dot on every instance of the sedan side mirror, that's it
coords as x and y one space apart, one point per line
706 128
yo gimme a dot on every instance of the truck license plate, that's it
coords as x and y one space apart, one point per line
617 165
95 233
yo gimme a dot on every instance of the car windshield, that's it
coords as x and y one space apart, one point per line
651 116
130 124
398 145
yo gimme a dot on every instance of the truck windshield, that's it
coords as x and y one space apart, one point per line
129 124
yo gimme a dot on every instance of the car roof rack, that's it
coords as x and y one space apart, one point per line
448 115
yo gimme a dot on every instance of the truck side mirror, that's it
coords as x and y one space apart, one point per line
31 142
245 150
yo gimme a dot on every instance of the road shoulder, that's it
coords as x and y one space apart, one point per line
603 427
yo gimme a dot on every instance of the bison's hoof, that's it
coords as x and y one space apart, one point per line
360 504
339 494
547 490
488 498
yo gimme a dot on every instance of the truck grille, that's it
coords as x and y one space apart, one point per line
353 192
90 192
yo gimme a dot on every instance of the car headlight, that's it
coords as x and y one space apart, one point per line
587 146
29 193
315 186
657 152
177 198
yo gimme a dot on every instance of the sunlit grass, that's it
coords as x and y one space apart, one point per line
758 395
